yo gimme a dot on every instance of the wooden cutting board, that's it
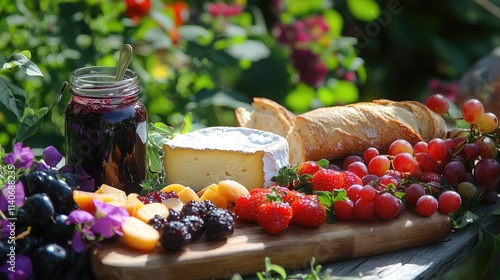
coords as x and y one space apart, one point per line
245 250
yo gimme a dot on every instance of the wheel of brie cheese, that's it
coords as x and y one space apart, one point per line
209 155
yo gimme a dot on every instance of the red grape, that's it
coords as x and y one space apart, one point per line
364 209
413 193
370 153
472 110
353 192
438 103
449 202
387 206
344 210
404 162
367 192
427 205
378 165
487 147
385 180
350 159
486 173
358 168
471 151
369 179
426 162
400 146
437 149
420 147
454 172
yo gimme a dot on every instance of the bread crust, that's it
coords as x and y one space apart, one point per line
339 131
267 115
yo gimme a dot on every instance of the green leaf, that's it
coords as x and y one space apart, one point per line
334 21
195 33
345 92
12 97
187 124
325 198
323 163
365 10
250 49
479 241
21 60
30 124
299 100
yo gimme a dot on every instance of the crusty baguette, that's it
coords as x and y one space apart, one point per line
339 131
267 115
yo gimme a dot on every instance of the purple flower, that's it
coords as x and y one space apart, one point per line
85 181
78 242
79 217
51 156
105 228
21 157
17 190
39 166
23 269
309 66
115 213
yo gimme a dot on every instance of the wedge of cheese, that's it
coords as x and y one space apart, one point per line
209 155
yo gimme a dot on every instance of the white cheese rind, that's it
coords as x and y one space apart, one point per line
213 154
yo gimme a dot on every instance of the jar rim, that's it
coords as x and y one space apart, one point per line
99 82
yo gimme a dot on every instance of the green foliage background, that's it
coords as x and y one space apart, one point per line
403 44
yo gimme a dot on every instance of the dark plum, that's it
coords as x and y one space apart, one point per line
39 209
58 232
48 261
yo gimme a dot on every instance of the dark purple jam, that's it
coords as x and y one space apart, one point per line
106 136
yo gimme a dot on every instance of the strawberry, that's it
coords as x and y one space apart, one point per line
308 167
290 196
327 180
308 213
274 217
245 208
429 176
349 179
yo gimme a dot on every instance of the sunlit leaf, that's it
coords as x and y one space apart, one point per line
299 99
250 49
335 22
365 10
21 60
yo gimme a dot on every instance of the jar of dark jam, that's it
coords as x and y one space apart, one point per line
106 127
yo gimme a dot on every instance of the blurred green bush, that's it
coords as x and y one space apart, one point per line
208 57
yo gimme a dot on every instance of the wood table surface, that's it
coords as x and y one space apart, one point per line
431 261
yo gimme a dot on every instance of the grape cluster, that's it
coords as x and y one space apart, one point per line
195 219
42 232
434 175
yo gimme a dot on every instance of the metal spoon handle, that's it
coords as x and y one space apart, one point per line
123 61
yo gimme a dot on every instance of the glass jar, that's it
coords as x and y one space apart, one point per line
106 127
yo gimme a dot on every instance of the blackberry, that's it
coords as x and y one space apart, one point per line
158 222
219 224
196 208
209 205
175 236
173 215
156 196
196 226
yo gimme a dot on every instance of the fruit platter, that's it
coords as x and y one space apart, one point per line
331 184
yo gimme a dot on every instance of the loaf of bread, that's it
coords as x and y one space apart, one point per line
339 131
